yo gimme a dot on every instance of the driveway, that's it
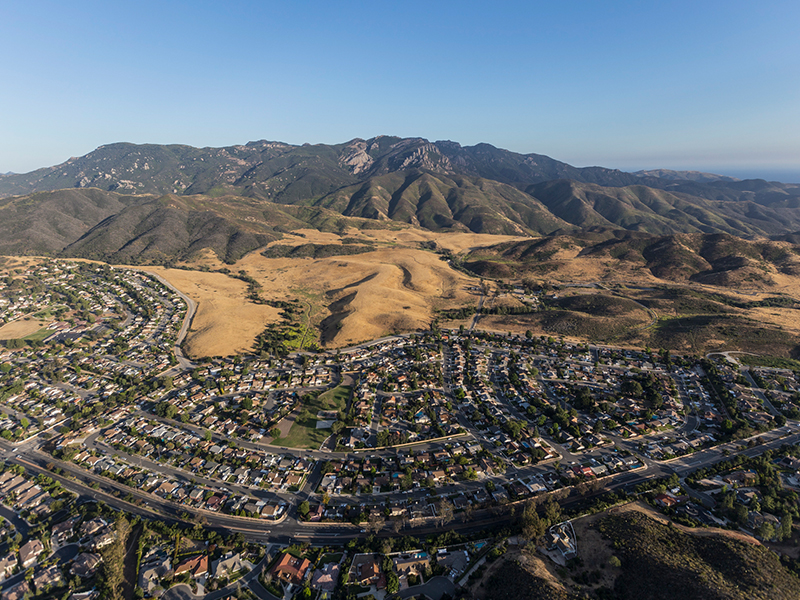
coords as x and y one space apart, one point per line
435 588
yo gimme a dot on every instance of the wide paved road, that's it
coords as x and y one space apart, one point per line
289 530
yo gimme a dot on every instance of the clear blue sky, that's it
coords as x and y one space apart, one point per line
704 85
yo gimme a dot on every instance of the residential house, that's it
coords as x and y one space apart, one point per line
152 572
228 565
325 579
8 564
18 592
86 564
196 565
291 569
48 578
30 552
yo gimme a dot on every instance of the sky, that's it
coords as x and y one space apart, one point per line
632 85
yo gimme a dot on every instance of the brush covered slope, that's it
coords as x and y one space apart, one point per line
659 561
717 259
47 222
654 561
137 229
435 185
286 173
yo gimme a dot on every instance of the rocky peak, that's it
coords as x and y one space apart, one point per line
355 157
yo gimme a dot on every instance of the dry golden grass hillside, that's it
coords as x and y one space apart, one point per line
397 283
226 322
397 287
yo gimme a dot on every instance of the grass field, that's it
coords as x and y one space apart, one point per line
304 432
335 399
307 327
330 557
364 296
48 314
226 322
38 336
401 285
22 328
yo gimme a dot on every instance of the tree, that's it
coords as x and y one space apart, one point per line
392 582
444 511
533 527
166 410
552 510
786 526
631 387
303 509
766 531
584 400
374 523
741 514
113 574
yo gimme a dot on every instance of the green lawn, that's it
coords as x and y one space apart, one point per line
49 312
304 432
39 335
330 557
335 399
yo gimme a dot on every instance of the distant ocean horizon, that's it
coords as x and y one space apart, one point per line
784 175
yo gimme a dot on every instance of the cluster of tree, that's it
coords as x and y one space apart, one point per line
735 425
536 518
272 341
112 576
392 438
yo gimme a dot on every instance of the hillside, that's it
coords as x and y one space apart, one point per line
661 562
287 174
715 259
46 222
435 185
100 225
656 561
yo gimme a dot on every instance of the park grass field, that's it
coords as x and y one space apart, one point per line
24 329
304 432
336 398
39 335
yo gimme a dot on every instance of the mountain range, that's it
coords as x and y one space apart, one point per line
155 203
